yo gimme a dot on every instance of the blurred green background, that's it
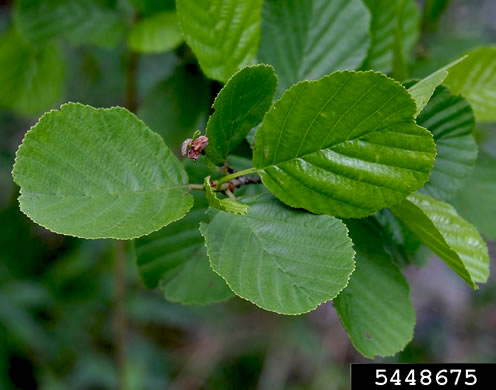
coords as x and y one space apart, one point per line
61 326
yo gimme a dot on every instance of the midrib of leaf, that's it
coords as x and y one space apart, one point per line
103 194
280 165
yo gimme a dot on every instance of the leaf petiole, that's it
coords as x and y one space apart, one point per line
198 187
234 175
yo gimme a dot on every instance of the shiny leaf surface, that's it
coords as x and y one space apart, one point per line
345 145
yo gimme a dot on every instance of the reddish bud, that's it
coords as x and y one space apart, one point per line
193 149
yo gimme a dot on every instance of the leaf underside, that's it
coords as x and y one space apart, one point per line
99 173
451 120
449 236
282 260
475 79
423 90
345 145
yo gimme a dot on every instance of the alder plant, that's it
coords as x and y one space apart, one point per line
353 166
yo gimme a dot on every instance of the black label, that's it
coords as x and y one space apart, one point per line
451 376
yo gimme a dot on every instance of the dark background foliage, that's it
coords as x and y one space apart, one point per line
61 326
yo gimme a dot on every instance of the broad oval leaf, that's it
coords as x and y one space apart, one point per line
239 107
475 79
307 39
31 80
385 21
449 236
175 259
282 260
99 173
80 21
345 145
156 34
375 308
451 120
229 205
224 34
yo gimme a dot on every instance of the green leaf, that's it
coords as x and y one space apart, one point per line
451 120
345 145
228 205
80 21
31 80
282 260
239 107
433 11
177 106
224 34
307 39
156 34
385 19
399 65
175 258
99 173
424 89
403 245
449 236
375 308
151 7
475 79
475 201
